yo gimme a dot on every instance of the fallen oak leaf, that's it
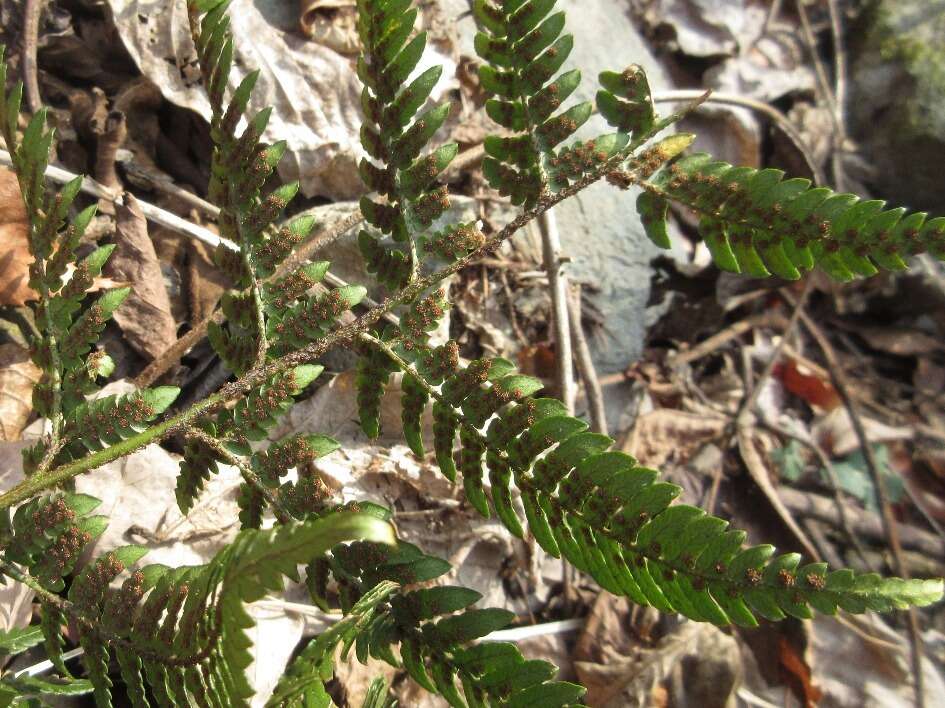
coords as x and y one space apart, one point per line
12 209
797 672
15 260
15 257
145 317
805 383
18 375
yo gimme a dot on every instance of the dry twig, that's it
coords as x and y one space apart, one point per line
558 286
862 523
776 116
585 364
31 14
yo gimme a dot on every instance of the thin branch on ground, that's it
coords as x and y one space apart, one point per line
890 528
173 354
585 364
558 288
826 91
747 406
840 95
510 303
830 472
739 429
31 16
150 211
722 337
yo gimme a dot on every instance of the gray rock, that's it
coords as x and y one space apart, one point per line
600 229
897 97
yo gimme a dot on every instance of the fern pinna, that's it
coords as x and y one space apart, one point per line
179 636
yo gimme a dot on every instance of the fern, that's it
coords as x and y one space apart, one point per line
18 640
757 222
68 326
395 136
269 314
182 631
179 636
614 520
433 627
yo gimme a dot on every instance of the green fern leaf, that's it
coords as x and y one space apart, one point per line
756 222
19 639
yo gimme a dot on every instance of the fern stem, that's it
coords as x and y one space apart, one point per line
251 478
12 571
262 344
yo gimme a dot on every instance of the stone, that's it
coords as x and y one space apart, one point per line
897 94
600 229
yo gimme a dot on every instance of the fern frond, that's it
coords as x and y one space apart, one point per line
48 534
759 223
524 48
614 519
262 320
395 137
310 319
198 464
254 415
96 424
181 631
65 332
373 375
32 689
433 626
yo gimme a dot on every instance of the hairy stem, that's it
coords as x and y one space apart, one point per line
251 478
11 570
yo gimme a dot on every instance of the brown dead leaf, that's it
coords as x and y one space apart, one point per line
15 256
12 209
694 665
15 261
332 23
798 672
18 375
807 384
145 317
205 282
835 434
669 434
